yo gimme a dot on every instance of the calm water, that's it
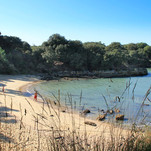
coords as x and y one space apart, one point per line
93 90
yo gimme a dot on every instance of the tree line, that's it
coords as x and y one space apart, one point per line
58 53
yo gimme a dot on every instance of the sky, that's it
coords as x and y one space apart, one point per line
34 21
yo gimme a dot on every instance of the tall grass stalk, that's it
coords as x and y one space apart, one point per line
48 133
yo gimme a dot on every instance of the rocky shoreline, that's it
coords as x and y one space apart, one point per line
96 74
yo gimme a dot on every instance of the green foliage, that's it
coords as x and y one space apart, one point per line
114 59
116 56
130 46
52 48
147 51
14 43
75 56
71 53
2 55
39 63
5 67
141 45
17 56
95 52
114 45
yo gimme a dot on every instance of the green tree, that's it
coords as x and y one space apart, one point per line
115 59
76 56
130 46
71 53
115 56
95 54
141 45
51 50
18 53
147 51
2 55
5 66
39 63
113 46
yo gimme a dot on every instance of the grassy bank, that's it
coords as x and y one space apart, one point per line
16 135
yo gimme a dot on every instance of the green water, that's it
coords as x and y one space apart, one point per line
88 93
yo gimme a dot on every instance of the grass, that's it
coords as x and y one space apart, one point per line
51 136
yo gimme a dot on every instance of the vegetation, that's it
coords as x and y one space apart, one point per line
51 136
17 56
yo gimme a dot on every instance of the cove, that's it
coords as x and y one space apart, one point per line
98 94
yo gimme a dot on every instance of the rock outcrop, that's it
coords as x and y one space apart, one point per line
90 123
86 111
101 117
96 74
119 117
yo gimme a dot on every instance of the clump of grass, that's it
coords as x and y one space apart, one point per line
53 137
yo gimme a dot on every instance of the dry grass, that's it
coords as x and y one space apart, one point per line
51 136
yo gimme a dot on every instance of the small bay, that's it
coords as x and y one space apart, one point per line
126 94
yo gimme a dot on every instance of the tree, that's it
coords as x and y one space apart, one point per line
115 59
71 53
40 64
2 55
141 45
115 56
18 53
95 52
56 40
130 46
147 51
5 66
114 45
76 56
51 50
58 53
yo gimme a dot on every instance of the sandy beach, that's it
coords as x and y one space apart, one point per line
22 109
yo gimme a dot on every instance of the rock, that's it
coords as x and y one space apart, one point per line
102 110
95 74
63 111
86 111
59 137
110 111
119 117
101 117
90 123
93 107
146 104
116 110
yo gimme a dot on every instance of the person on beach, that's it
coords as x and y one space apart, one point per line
3 90
35 96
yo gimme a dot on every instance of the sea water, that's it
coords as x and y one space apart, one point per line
126 94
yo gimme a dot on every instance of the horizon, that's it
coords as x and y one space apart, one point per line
86 21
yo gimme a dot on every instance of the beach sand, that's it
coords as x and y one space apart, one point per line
30 115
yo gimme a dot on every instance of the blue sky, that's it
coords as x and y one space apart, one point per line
107 21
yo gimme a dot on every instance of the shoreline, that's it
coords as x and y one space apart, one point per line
23 110
67 109
25 94
131 72
34 119
78 112
24 88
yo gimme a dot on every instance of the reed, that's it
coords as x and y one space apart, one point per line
52 136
